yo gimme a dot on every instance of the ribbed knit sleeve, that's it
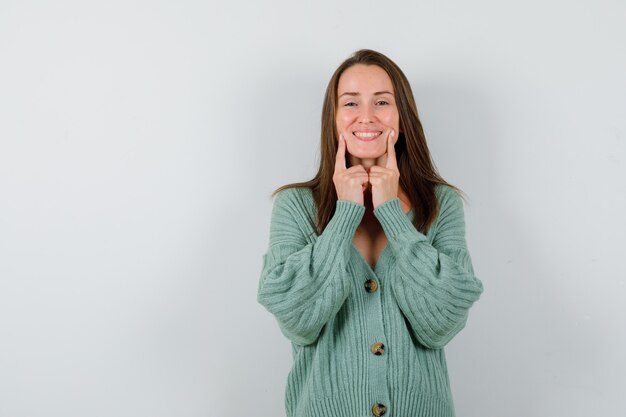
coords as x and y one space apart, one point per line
303 283
435 285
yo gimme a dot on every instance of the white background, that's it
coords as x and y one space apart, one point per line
140 141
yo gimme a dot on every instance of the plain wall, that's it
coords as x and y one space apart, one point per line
140 141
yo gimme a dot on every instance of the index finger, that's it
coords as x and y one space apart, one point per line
340 158
392 163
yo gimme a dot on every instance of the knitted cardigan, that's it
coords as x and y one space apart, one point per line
314 286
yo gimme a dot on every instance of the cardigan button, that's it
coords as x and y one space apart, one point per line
378 348
371 285
378 409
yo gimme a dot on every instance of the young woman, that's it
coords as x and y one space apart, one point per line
367 270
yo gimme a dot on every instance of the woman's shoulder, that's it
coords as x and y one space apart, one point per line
446 193
294 196
296 200
294 207
449 200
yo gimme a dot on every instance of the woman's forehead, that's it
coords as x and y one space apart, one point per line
364 79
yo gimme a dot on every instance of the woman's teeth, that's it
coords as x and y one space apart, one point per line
367 134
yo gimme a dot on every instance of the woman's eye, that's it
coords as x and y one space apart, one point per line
382 102
350 104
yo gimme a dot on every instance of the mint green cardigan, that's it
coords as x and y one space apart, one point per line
314 286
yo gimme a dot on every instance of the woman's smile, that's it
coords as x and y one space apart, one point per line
367 135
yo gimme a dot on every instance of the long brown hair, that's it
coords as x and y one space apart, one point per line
418 174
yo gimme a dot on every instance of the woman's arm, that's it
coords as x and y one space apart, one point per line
304 284
435 286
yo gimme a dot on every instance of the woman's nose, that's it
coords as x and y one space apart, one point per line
367 114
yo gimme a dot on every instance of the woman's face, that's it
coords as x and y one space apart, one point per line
366 110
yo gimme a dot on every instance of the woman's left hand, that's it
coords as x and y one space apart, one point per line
386 177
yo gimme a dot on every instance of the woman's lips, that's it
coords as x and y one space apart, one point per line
367 136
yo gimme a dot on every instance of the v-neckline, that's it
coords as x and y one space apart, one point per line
373 270
380 257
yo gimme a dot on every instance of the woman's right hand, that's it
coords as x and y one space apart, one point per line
350 183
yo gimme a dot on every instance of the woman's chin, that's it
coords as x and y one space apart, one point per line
367 155
365 150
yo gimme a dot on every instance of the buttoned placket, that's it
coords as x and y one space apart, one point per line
376 348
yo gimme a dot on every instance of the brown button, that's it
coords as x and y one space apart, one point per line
371 285
378 348
378 409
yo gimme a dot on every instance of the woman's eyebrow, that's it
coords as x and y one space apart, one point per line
350 93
